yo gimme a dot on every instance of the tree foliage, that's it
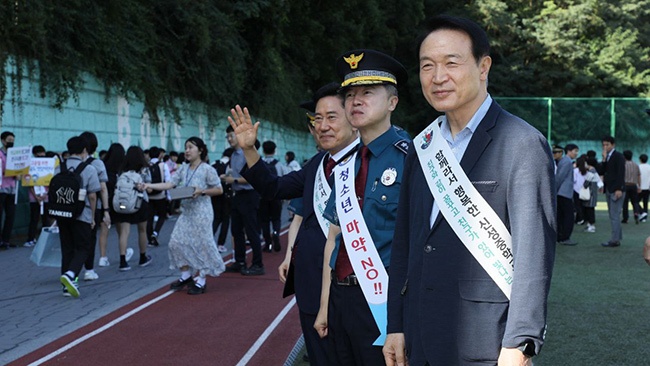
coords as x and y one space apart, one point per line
271 54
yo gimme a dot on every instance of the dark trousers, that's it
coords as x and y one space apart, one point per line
244 217
631 195
92 241
75 236
590 214
317 347
565 219
8 207
643 198
156 208
221 208
270 212
34 217
351 328
579 208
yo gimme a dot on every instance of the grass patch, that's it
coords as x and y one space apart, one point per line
599 302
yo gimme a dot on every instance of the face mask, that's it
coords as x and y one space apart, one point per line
9 144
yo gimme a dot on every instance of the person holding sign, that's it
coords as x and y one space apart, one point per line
337 138
362 210
7 192
475 237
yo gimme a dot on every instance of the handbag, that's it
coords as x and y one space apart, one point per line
584 194
47 251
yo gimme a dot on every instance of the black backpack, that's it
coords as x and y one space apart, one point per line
63 195
156 177
271 165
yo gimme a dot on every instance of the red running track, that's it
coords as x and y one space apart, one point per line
219 327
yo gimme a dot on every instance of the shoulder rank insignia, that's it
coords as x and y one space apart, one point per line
353 60
402 145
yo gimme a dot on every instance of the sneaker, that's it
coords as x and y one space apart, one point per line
590 229
103 262
153 242
611 244
581 222
124 267
222 248
70 285
90 275
253 270
129 254
65 292
643 216
29 244
146 262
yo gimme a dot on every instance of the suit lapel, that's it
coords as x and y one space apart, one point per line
477 145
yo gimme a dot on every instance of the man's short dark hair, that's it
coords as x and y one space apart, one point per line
643 158
91 141
6 134
570 147
478 37
627 154
268 147
591 154
76 145
608 138
38 149
173 153
154 152
229 129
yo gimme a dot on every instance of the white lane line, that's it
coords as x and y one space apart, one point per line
267 332
100 330
251 351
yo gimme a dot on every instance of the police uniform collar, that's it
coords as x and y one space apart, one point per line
386 139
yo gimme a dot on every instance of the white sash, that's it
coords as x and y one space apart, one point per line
466 211
361 249
322 192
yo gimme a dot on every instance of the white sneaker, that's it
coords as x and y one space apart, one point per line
590 229
129 254
222 248
103 262
90 275
29 244
643 216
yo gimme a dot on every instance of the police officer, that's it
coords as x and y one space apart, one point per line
370 80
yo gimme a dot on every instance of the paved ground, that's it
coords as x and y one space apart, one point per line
33 311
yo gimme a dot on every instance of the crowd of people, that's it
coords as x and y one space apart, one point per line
579 180
151 173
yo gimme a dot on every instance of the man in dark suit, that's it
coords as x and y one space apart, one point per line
613 169
445 307
337 138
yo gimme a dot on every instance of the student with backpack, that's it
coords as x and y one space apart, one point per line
130 203
72 199
102 215
192 249
159 172
113 162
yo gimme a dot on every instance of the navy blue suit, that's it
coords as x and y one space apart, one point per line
309 245
447 306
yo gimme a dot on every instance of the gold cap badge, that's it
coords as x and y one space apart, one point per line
353 60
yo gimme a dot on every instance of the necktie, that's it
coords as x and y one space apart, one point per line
343 265
329 166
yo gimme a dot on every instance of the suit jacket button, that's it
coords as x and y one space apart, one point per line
428 249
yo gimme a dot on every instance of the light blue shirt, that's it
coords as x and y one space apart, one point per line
459 144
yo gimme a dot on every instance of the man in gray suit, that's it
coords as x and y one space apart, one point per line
445 305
